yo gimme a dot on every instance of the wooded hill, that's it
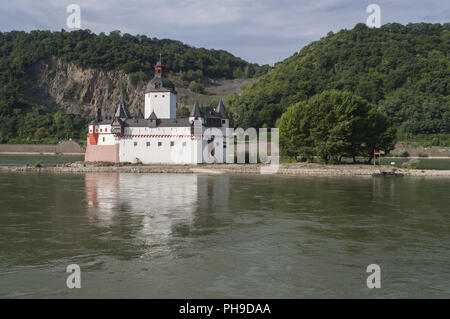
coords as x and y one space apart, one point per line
403 70
25 120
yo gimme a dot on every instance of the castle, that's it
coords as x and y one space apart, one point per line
158 136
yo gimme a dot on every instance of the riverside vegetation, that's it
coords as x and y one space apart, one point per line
396 79
24 121
401 71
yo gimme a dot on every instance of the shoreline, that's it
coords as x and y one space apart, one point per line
41 153
294 169
82 154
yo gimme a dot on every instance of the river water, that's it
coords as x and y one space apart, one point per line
223 236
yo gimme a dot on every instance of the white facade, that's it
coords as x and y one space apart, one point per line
164 104
159 137
158 145
165 144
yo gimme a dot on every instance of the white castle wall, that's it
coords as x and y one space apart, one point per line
105 137
162 103
133 146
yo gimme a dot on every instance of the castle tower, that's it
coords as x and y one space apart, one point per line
160 95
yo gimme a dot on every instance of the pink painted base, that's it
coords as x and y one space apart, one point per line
102 153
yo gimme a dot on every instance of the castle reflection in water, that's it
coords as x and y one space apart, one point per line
153 204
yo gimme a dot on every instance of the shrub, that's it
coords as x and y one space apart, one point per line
290 159
196 87
403 153
423 155
411 164
38 165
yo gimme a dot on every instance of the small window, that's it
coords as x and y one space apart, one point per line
172 143
103 139
156 96
101 130
148 144
106 129
163 96
223 121
184 143
135 143
159 143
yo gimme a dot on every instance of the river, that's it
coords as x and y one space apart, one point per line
222 236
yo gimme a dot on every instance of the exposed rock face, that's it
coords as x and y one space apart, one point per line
60 85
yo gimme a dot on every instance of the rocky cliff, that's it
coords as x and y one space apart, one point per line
57 85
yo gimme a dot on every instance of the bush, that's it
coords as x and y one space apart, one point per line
411 164
182 112
423 155
290 159
403 153
190 76
38 165
196 87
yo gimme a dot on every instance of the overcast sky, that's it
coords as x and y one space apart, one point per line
262 31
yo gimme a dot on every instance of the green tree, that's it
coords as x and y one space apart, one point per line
182 112
333 125
196 87
405 70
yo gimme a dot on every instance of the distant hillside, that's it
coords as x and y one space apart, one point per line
404 70
72 73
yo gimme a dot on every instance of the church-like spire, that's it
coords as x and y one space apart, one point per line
160 83
121 111
196 112
159 67
220 110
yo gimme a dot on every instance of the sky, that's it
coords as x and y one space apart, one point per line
259 31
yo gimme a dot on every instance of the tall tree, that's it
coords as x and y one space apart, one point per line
333 125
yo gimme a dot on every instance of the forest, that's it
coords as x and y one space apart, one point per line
403 71
23 122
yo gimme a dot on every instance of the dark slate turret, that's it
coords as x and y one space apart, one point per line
153 120
221 111
98 115
196 112
121 111
139 114
153 116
